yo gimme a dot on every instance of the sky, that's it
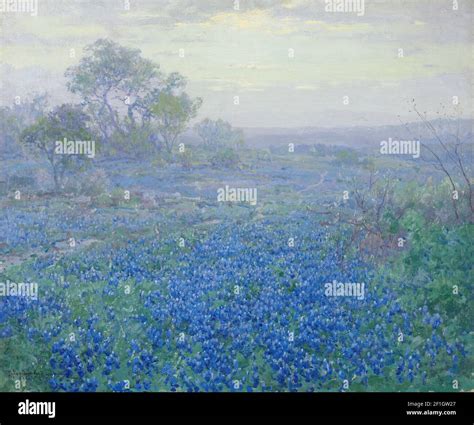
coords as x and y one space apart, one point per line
291 63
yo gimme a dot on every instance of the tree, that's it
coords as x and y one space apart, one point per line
129 97
225 158
10 127
65 121
14 119
114 83
452 157
171 115
218 133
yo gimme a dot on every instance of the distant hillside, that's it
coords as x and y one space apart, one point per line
356 136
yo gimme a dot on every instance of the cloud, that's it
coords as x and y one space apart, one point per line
307 87
230 51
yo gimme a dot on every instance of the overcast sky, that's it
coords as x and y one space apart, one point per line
246 53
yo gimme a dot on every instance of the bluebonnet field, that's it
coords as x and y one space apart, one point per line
233 308
148 281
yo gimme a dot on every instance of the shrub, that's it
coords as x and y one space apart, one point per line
225 158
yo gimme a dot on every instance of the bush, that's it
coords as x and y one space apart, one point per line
225 158
346 157
446 282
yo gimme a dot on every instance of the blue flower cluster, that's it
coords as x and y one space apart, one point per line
237 310
36 227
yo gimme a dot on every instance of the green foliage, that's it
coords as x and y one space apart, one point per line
14 120
130 99
346 157
439 263
225 158
219 133
135 144
65 121
436 263
108 72
171 114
